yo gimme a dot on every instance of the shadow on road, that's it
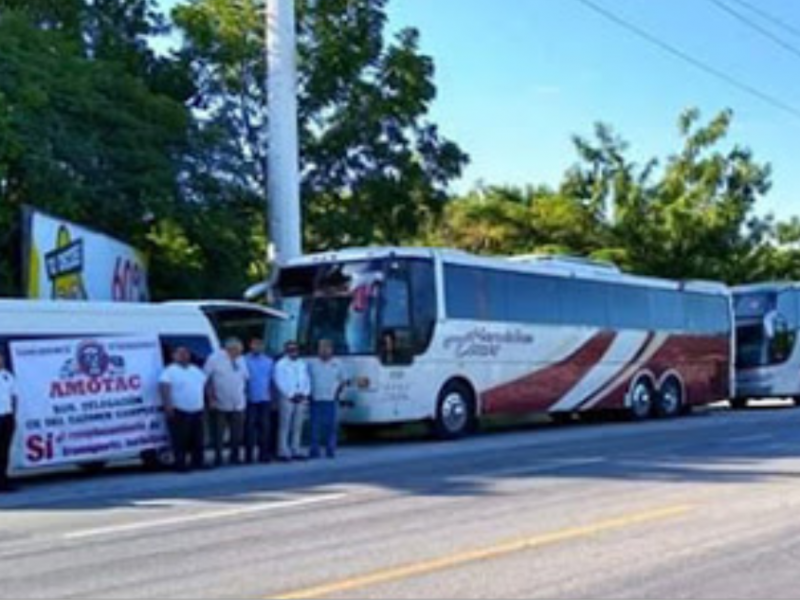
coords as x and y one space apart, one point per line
717 447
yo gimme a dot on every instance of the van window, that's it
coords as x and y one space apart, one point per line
242 323
198 345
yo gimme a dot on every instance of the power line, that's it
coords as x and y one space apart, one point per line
742 18
771 18
688 58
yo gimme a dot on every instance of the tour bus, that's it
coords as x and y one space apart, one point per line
767 352
447 337
41 326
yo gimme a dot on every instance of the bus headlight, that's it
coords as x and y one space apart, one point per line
362 383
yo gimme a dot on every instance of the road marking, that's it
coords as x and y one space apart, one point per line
488 553
206 516
554 466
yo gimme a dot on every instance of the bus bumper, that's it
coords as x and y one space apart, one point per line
760 383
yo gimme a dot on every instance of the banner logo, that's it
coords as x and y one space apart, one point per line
65 264
93 371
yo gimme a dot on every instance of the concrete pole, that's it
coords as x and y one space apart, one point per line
283 169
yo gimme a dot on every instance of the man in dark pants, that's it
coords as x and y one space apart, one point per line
182 386
227 398
258 429
8 408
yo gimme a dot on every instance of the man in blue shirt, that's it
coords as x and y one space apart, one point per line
259 403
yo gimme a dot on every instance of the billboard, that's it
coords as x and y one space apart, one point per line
64 261
87 400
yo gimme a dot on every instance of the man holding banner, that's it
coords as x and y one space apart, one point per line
8 402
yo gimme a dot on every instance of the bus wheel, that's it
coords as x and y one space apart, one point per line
641 400
670 399
738 403
455 413
796 401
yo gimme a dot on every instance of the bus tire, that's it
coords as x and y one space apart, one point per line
738 403
641 399
670 399
455 411
796 400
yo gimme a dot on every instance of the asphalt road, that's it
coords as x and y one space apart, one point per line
702 507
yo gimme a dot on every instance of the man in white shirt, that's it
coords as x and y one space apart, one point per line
294 388
8 408
227 393
182 386
327 384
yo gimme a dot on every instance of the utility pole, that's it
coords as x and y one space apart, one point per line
283 170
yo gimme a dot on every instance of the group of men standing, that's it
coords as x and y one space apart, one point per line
237 393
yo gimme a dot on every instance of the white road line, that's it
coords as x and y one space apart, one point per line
553 466
206 516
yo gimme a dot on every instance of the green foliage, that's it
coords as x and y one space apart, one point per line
169 153
85 139
692 216
373 166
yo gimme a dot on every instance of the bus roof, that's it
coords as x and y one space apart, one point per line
557 266
767 286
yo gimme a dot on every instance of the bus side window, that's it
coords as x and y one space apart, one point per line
423 294
198 345
396 339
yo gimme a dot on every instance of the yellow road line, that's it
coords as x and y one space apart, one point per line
487 553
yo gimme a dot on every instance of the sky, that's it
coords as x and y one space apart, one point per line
517 78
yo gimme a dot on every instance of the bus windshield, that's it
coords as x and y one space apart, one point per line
337 302
766 328
755 305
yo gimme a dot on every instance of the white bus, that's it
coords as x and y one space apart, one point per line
447 337
200 326
767 352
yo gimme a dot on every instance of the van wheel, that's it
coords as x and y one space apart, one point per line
641 400
154 460
670 399
455 413
738 403
94 467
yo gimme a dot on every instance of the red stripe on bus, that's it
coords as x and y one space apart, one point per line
542 389
700 362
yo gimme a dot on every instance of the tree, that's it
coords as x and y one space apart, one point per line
508 221
373 166
83 137
693 217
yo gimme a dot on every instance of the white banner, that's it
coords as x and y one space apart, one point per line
65 261
83 400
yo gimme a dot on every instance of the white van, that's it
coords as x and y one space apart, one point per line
200 326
